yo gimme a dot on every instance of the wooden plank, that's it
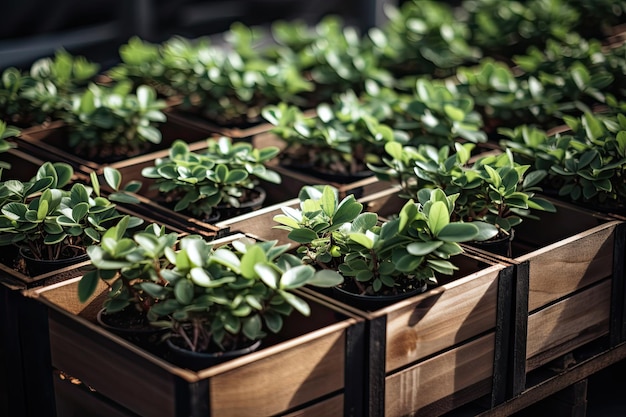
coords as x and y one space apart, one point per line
101 363
332 407
444 317
413 389
281 382
558 382
568 324
570 264
277 378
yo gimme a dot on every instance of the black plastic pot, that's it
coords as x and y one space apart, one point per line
373 302
502 246
37 267
132 326
201 360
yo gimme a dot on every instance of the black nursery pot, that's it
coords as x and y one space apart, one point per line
132 326
37 267
200 360
502 246
373 302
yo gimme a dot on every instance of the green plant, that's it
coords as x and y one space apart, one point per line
493 190
6 132
213 298
586 163
438 113
223 173
44 93
335 57
422 37
504 28
339 139
55 223
374 257
228 83
113 121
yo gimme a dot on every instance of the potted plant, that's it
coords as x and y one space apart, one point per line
6 132
422 37
110 122
493 190
227 84
221 181
52 226
43 93
394 257
215 300
584 163
334 57
337 142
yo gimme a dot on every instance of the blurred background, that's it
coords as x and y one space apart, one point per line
33 29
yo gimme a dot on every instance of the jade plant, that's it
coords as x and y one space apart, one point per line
44 92
48 221
212 298
114 121
229 84
376 256
6 132
340 139
504 28
334 56
493 190
422 37
224 175
438 113
585 163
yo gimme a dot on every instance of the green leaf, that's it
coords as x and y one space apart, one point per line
254 255
326 278
296 277
183 290
113 177
296 302
458 232
87 285
423 248
438 217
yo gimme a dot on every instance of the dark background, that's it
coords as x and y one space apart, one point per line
32 29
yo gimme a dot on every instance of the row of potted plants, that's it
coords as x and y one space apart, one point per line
461 197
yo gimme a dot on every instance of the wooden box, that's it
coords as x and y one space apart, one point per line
309 370
294 180
50 141
433 352
573 261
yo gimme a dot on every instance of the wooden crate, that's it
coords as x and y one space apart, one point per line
573 261
308 370
462 326
50 141
449 346
293 180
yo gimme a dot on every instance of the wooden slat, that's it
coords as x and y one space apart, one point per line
568 324
280 382
570 264
444 317
332 407
413 389
103 365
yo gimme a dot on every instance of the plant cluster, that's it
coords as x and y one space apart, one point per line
584 164
112 121
493 190
52 222
211 297
224 173
376 256
44 92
